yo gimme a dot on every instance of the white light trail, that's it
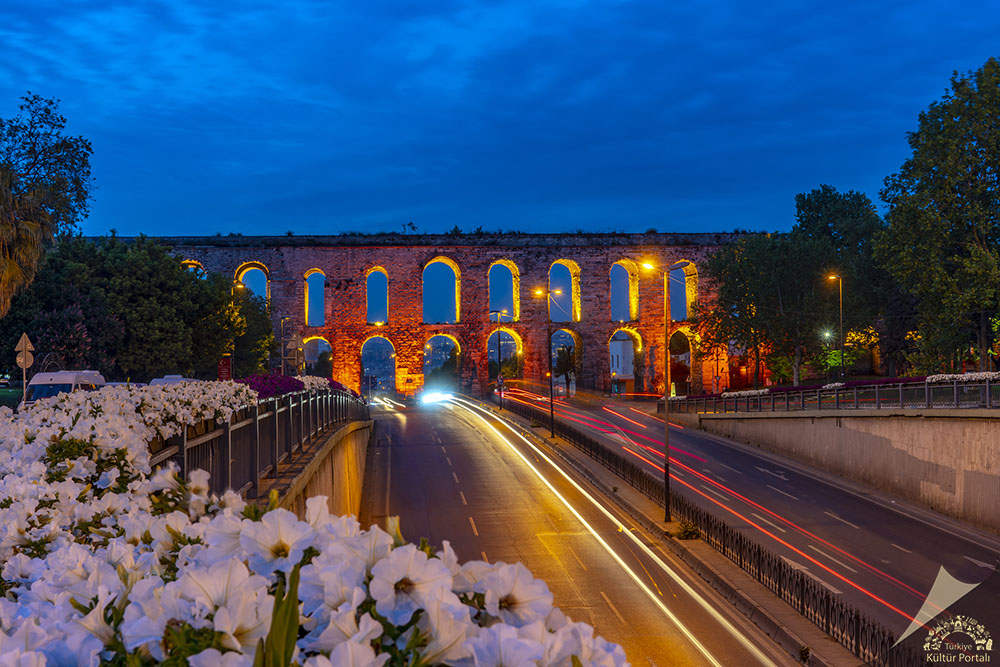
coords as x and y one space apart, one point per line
736 634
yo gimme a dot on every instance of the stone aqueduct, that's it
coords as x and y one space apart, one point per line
347 260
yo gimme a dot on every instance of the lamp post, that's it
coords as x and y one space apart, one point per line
548 311
499 314
840 290
666 389
284 352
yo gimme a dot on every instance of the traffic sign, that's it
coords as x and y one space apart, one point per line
24 345
25 359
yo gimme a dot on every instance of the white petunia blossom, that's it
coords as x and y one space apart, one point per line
515 596
401 581
276 542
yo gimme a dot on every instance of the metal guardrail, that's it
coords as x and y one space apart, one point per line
917 395
259 437
869 640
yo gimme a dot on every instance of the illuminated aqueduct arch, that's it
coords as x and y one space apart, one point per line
690 284
349 263
631 268
322 300
574 295
515 286
374 303
449 262
246 267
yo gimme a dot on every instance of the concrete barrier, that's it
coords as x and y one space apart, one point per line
333 466
948 460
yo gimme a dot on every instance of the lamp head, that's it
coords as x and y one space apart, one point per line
833 277
647 265
557 292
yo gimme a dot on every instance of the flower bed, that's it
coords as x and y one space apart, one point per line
964 377
269 386
106 561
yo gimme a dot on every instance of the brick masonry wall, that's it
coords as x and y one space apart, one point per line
346 261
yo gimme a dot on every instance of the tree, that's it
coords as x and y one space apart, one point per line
44 189
565 364
252 349
943 239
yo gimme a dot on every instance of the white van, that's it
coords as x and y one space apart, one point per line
44 385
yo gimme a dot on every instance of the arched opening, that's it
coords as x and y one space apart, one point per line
441 361
315 298
505 288
624 291
504 352
378 366
318 357
683 290
254 277
442 291
377 295
564 276
680 364
566 358
627 362
195 267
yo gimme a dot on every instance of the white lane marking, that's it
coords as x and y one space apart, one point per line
455 477
448 460
713 474
768 522
483 554
834 516
577 558
780 474
838 562
781 492
464 501
613 608
388 475
900 548
473 524
978 562
738 472
443 451
715 493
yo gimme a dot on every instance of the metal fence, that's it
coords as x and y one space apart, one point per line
874 396
239 453
866 638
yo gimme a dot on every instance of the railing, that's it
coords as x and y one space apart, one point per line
259 437
866 638
875 396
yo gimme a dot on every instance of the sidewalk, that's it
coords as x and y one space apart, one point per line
789 629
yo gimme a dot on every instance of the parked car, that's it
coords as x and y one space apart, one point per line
44 385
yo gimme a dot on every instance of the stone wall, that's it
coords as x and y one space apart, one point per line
347 260
948 460
333 467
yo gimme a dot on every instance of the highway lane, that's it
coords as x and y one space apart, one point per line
881 555
452 473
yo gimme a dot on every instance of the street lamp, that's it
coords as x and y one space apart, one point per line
666 389
499 314
284 352
840 289
548 312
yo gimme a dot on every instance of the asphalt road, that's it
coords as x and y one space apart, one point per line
879 553
454 474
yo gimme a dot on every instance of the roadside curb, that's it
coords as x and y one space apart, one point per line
785 637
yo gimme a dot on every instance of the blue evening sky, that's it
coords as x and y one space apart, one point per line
322 117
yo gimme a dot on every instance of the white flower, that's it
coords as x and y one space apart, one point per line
276 542
353 654
446 621
501 646
213 658
344 626
400 581
515 596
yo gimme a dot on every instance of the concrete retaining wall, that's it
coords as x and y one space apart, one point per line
334 467
948 460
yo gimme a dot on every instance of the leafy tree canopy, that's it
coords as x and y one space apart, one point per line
44 189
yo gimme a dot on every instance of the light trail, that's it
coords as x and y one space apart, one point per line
620 416
477 411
